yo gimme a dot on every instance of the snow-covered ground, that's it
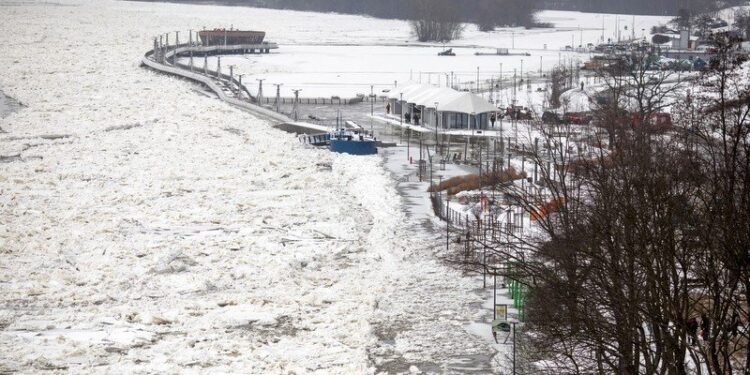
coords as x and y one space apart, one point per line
343 55
145 228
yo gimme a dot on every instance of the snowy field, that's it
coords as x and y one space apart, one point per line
344 55
146 228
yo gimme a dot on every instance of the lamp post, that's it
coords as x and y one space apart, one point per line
260 88
474 126
437 124
408 141
401 118
296 98
372 108
278 95
239 85
231 77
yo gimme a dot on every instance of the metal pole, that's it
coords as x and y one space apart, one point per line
260 89
478 79
278 95
437 123
401 118
494 294
447 220
296 99
231 77
514 348
239 85
218 67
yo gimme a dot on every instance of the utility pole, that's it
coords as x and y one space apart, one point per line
205 64
296 99
260 88
278 95
218 67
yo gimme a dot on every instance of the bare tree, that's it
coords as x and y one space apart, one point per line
639 235
436 22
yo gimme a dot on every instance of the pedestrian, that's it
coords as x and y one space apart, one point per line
493 119
388 109
407 117
416 119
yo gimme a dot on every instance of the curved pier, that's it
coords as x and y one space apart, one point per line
221 84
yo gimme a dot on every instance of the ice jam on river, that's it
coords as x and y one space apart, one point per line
146 228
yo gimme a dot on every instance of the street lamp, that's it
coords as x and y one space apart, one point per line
401 118
239 85
474 126
437 123
260 89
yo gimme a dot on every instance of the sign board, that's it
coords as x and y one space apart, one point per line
501 312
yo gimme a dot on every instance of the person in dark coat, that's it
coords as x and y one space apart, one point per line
493 119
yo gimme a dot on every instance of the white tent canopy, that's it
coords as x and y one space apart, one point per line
427 98
449 100
407 89
467 103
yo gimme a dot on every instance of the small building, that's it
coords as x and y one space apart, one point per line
441 107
